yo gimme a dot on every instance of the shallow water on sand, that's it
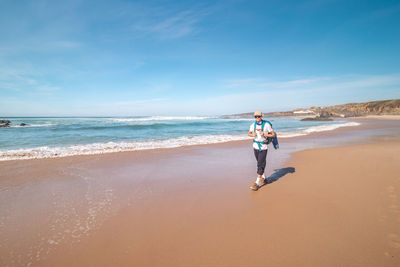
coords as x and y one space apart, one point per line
49 206
58 137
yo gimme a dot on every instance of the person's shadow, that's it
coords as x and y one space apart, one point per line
278 174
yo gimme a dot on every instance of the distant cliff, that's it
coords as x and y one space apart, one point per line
385 107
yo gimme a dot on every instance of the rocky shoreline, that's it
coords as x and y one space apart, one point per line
6 123
385 107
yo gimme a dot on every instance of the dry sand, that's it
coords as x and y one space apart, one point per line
337 206
383 117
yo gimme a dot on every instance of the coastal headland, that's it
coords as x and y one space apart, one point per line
348 110
332 200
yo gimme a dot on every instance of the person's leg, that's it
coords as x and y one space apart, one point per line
261 157
256 151
257 154
261 162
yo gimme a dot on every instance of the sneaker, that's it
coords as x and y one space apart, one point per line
254 187
265 180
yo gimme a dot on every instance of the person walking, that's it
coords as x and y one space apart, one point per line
262 133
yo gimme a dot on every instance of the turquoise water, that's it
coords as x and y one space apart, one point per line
48 137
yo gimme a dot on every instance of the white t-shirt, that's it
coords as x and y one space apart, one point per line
259 138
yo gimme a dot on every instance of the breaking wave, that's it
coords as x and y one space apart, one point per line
101 148
319 128
160 118
109 147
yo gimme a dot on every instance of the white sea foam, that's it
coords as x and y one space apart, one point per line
290 134
238 119
101 148
32 125
329 127
319 128
159 118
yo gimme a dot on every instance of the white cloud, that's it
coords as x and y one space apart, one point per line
269 95
260 83
47 88
364 81
136 102
164 24
322 83
23 78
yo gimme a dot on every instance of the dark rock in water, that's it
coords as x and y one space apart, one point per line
317 119
23 124
325 114
5 123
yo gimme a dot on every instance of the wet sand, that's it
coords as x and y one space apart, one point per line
331 206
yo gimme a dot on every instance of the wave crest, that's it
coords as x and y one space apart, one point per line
160 118
101 148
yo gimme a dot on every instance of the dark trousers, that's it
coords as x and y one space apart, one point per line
261 157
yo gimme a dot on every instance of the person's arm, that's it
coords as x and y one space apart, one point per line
251 131
270 134
251 134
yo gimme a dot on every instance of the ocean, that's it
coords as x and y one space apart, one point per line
46 137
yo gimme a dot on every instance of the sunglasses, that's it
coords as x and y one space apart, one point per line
257 116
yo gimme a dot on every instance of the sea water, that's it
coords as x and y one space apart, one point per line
45 137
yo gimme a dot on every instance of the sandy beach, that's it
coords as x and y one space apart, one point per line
332 200
131 131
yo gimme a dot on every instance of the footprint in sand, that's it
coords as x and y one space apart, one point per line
393 206
390 189
395 244
393 236
382 218
394 240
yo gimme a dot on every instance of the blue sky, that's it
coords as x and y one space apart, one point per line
115 58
